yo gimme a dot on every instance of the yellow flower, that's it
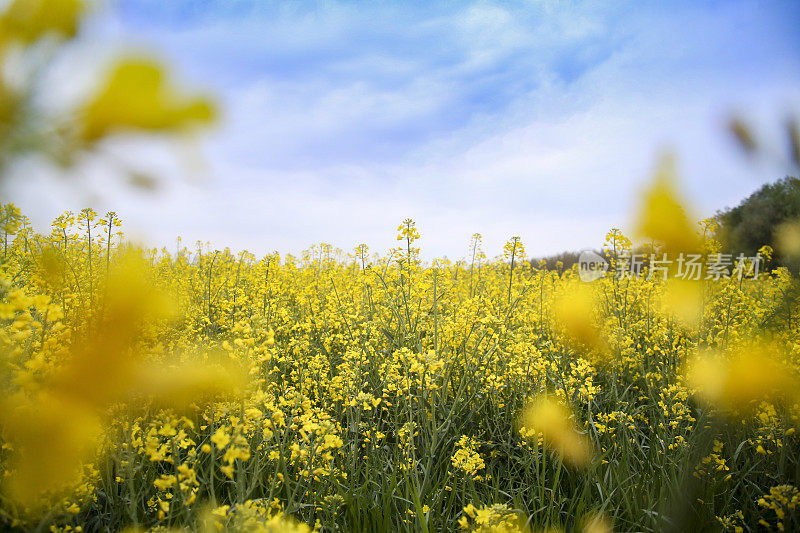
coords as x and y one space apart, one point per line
466 457
165 482
737 380
28 20
135 97
573 315
596 523
787 238
33 426
663 217
551 420
682 299
220 438
221 511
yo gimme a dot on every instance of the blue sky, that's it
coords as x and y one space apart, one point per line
534 118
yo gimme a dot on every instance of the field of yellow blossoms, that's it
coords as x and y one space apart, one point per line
211 390
205 389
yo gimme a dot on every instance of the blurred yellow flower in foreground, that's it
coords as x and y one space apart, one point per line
662 216
28 20
136 97
54 433
573 316
683 300
596 523
52 437
787 238
747 375
552 421
102 367
192 382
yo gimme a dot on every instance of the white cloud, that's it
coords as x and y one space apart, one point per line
541 123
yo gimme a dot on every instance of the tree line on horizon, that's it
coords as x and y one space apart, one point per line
756 221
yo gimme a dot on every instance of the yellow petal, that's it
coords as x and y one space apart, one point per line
573 316
787 239
683 300
28 20
135 97
662 216
52 437
552 420
737 380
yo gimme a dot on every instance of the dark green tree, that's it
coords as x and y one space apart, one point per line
752 224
